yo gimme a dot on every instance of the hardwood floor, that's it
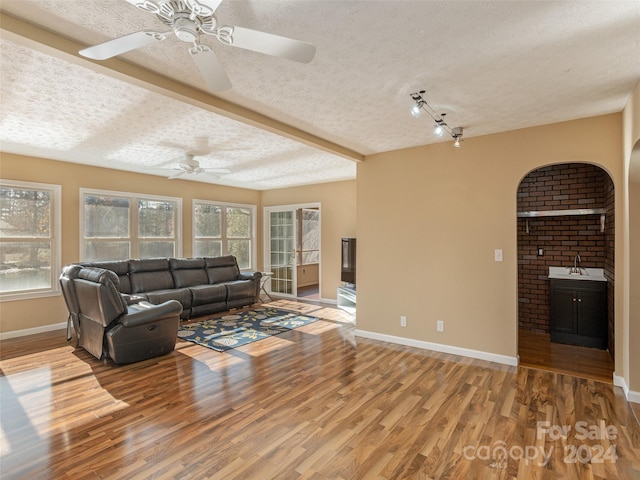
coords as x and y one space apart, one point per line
314 403
536 350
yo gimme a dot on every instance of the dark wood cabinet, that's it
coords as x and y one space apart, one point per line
579 312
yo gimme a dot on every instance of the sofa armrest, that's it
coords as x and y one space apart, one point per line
145 312
250 276
132 299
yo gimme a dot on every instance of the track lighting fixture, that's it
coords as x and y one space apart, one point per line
440 125
415 109
457 136
438 128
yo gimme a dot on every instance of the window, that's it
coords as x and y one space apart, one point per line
224 229
29 239
308 236
117 226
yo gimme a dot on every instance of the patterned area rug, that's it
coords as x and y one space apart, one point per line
240 328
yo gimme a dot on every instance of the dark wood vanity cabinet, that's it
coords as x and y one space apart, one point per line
579 312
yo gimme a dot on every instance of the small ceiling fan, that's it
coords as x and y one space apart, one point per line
188 19
190 166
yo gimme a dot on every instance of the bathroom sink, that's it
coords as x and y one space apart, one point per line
566 273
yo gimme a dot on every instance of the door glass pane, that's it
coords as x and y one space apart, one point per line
282 258
310 236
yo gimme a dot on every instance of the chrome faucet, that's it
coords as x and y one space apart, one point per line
576 269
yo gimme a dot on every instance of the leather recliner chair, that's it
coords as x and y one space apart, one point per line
109 327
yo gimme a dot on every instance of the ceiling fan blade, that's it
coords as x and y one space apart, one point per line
176 175
270 44
210 67
216 170
121 45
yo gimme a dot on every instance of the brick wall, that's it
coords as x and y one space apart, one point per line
560 187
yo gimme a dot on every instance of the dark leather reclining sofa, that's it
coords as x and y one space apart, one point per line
202 285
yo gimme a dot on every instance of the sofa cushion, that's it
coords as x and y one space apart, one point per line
204 294
240 289
98 296
183 295
120 268
222 269
187 272
149 275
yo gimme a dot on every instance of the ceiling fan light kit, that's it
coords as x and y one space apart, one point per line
188 20
440 126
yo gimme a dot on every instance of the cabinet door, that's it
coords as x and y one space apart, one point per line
563 311
592 314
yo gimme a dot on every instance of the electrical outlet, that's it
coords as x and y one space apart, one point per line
403 321
440 326
497 254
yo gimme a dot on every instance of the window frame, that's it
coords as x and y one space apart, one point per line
223 236
134 230
55 237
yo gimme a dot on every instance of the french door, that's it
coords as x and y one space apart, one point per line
284 253
280 258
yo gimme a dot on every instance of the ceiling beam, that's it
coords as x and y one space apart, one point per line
45 41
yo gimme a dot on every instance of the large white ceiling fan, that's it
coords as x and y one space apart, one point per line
188 19
190 166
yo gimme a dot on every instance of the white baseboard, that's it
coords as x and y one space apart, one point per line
437 347
630 395
32 331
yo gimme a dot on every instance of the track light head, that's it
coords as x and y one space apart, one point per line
456 133
440 125
415 108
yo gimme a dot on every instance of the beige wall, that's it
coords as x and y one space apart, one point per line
429 219
634 288
630 305
338 219
24 314
308 274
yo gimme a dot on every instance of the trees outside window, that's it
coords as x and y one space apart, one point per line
225 229
117 226
29 239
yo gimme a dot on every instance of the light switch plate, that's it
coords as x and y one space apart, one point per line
497 253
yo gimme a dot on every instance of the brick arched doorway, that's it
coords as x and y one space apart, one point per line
555 240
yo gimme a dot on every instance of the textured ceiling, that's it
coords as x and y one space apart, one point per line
490 66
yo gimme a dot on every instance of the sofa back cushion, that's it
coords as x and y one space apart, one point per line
188 272
120 268
98 295
222 269
150 274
